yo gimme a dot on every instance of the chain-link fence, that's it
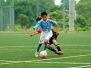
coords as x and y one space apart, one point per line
6 15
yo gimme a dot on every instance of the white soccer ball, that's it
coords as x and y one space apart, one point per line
43 54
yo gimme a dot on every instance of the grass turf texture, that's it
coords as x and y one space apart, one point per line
17 51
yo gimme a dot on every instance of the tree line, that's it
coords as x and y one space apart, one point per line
26 12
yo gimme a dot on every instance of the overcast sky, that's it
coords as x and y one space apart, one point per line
57 2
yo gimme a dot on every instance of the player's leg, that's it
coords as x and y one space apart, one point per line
46 40
45 44
57 46
38 50
54 50
51 48
39 45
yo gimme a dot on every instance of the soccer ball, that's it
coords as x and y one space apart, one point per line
43 54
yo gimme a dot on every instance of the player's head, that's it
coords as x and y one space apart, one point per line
44 16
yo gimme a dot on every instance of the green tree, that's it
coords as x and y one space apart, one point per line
83 9
23 20
31 9
80 21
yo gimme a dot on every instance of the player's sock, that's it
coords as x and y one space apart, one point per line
58 47
45 46
52 49
38 47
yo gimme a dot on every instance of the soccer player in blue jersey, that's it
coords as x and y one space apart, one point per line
52 40
46 26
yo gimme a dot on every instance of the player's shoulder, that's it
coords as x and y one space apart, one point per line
49 20
40 21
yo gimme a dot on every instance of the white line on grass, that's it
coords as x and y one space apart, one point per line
81 66
33 46
76 44
15 46
62 63
32 61
87 64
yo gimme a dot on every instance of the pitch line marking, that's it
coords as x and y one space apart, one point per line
32 61
81 66
15 46
30 46
52 63
62 62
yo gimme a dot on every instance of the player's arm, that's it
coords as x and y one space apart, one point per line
34 33
54 23
35 29
38 31
37 26
57 30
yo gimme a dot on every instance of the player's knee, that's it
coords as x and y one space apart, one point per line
40 44
46 41
48 46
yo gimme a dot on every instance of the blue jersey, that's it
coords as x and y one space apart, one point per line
46 26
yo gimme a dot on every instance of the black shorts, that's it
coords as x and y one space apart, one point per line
51 39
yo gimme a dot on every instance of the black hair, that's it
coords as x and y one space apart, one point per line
38 18
44 13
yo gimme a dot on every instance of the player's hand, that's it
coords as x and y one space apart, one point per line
57 32
31 35
34 33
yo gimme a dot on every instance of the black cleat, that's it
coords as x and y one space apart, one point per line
58 52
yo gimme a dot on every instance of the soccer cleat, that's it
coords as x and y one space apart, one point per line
58 52
45 51
36 54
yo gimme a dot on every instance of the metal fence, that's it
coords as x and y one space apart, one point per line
6 15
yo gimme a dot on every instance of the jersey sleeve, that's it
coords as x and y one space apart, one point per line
39 30
54 23
37 26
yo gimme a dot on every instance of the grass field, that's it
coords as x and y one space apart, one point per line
17 51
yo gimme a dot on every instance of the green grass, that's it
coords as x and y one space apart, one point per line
17 51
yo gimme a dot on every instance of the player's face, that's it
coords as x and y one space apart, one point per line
44 17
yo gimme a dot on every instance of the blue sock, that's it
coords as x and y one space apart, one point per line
45 46
38 47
